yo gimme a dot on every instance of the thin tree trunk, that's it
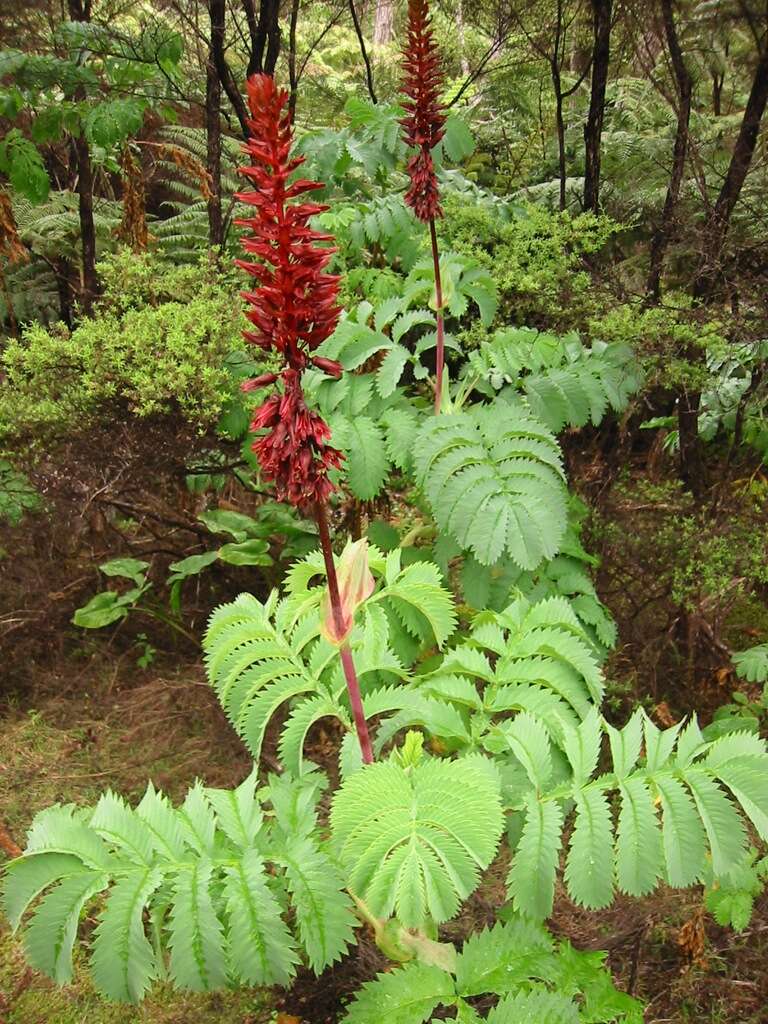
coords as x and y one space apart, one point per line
717 93
593 129
213 152
61 272
705 283
741 158
560 123
90 282
293 78
79 11
383 22
265 35
464 62
363 51
663 234
217 12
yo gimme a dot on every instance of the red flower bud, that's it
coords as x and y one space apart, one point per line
329 366
258 382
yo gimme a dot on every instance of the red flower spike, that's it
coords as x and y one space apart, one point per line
424 122
293 303
293 453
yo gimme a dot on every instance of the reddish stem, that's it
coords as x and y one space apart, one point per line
347 663
440 325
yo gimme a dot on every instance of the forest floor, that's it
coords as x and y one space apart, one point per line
105 722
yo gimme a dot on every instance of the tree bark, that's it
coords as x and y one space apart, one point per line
663 234
265 35
217 12
79 11
213 152
383 22
593 130
710 271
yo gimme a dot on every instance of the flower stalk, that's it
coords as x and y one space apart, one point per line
293 309
347 661
424 126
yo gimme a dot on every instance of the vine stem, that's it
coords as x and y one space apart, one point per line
347 662
440 325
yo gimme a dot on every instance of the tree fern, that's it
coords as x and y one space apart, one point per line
494 484
198 872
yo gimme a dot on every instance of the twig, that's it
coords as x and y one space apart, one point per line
7 844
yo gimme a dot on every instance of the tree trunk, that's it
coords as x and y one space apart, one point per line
464 62
79 11
719 219
663 234
705 283
384 22
217 11
292 75
213 152
717 93
593 130
558 90
265 35
61 271
363 51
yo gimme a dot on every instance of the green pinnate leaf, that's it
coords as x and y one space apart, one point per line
531 878
262 948
589 870
412 841
408 995
196 936
123 960
50 935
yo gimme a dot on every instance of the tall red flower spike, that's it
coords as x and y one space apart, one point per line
294 309
425 121
293 305
424 127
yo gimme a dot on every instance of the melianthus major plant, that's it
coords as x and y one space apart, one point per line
240 887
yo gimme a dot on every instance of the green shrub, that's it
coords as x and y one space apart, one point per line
155 344
537 260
